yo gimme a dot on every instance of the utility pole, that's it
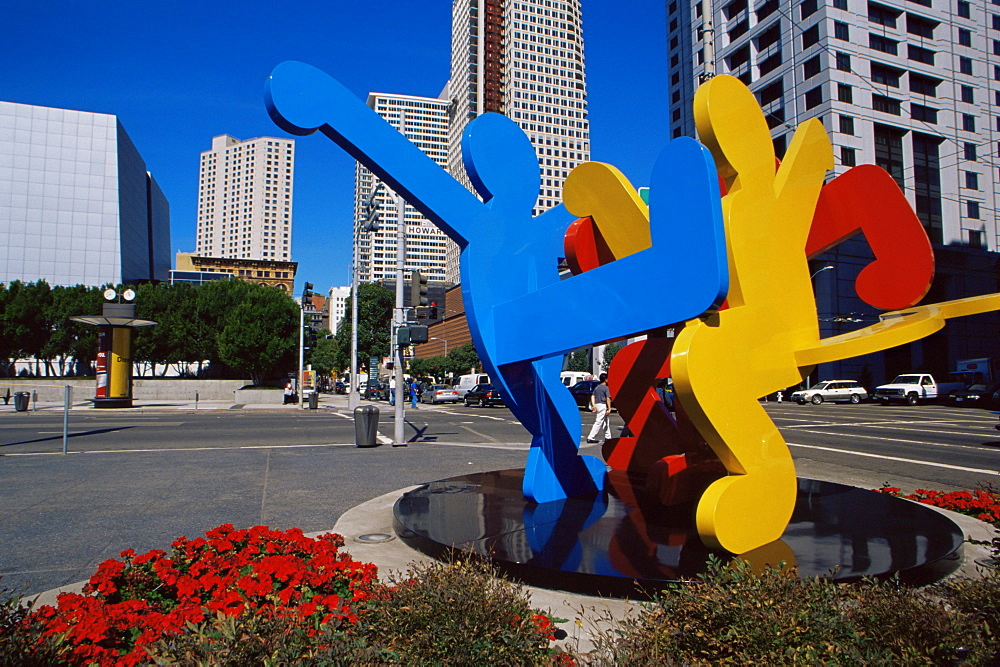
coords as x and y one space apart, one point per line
708 36
398 316
370 225
306 294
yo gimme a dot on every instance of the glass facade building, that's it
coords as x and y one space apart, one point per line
77 205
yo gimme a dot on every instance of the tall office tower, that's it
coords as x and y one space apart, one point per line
425 123
912 86
336 306
77 205
245 199
525 60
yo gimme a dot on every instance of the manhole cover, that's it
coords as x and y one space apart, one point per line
374 538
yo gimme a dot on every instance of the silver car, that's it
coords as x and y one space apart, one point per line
439 393
831 390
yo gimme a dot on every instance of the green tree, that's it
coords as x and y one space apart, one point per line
375 304
610 350
27 319
578 361
260 332
68 339
324 356
464 359
432 366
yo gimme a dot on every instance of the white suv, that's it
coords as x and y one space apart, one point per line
831 390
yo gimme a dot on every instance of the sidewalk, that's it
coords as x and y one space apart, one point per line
337 402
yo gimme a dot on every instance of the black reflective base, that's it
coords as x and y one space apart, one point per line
100 402
620 543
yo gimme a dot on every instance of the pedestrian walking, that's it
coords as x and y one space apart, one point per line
602 408
414 393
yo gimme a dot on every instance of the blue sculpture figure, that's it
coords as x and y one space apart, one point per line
522 317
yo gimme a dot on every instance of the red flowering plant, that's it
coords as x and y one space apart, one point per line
983 504
130 604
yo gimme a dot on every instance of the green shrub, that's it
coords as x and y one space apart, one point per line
458 613
730 615
21 642
979 598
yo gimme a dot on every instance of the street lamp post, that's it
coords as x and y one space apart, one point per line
828 267
443 341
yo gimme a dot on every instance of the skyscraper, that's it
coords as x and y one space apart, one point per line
245 199
425 123
910 86
525 60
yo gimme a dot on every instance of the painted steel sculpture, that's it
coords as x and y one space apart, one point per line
747 247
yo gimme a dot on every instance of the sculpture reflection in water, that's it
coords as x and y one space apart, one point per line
725 223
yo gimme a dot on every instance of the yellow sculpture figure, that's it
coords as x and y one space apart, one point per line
769 337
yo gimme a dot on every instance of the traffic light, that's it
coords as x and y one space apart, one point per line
418 334
307 292
432 312
310 337
418 290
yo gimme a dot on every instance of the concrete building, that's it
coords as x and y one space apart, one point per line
245 193
192 268
336 306
523 59
425 123
77 205
911 86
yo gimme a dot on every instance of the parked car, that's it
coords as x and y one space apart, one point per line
582 391
831 390
911 388
483 395
976 396
339 388
440 393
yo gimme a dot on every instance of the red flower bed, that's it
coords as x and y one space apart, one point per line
127 605
983 505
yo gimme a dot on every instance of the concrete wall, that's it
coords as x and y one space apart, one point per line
51 389
260 396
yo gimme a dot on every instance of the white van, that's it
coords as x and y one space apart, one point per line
467 382
570 378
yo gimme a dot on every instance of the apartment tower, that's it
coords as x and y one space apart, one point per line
424 121
525 60
245 199
910 85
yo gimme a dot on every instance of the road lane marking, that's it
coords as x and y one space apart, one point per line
978 471
881 424
385 440
908 442
175 449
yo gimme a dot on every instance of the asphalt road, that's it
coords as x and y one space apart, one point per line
140 480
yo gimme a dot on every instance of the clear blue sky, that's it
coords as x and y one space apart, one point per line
178 73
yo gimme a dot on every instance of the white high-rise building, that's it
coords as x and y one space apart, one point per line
245 199
425 123
525 60
336 304
910 85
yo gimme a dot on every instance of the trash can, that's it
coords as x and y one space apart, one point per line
314 400
21 399
366 425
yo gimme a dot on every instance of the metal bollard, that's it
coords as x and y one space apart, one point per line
366 426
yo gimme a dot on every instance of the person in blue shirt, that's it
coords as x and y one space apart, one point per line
414 393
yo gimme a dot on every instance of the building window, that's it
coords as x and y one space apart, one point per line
846 124
923 85
968 122
841 31
883 44
811 67
808 8
919 54
924 114
848 156
921 27
965 65
977 238
964 9
843 62
845 93
810 36
970 151
886 105
971 180
882 15
887 76
964 37
927 184
814 97
996 22
968 94
840 4
972 210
